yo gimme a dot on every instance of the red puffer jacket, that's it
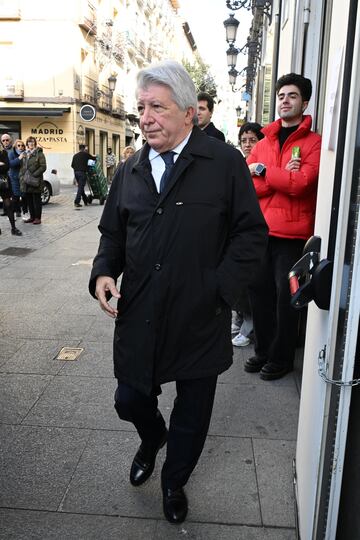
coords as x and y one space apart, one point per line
288 198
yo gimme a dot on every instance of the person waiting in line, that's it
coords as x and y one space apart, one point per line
7 142
110 161
14 174
205 109
127 152
80 165
249 134
285 168
5 190
33 162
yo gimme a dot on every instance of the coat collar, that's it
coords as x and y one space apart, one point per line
198 145
272 130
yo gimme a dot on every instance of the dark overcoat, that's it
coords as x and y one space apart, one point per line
36 164
185 256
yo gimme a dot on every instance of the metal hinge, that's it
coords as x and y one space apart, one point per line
323 368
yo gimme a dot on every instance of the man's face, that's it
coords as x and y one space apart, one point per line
163 124
6 141
203 113
290 105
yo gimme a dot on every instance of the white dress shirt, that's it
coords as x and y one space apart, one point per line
157 163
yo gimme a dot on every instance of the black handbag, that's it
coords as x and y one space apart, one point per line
4 183
30 180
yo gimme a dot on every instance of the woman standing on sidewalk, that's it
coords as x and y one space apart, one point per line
5 191
33 161
249 134
14 171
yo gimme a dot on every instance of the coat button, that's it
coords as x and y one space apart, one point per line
160 211
157 266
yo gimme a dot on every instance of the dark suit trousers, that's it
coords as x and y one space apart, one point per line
189 424
275 320
81 182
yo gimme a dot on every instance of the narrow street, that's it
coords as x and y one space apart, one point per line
65 456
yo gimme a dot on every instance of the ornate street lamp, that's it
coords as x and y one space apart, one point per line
231 55
238 111
112 84
238 4
232 77
264 5
231 25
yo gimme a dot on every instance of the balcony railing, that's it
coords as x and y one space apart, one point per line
88 90
103 98
88 19
11 89
10 11
119 109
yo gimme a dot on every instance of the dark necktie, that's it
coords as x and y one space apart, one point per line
168 158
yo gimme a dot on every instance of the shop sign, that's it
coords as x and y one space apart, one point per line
87 113
47 133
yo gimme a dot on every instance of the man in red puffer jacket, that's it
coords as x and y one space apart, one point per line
284 167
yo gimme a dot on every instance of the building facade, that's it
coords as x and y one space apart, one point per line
55 62
320 39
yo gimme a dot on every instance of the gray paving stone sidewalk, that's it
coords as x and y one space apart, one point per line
65 456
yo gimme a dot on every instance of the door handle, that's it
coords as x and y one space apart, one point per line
310 278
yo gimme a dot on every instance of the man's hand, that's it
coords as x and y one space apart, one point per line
103 285
293 164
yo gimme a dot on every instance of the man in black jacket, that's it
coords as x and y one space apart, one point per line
80 164
205 111
183 226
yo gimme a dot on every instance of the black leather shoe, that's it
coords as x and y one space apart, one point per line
77 205
254 364
175 505
272 371
144 462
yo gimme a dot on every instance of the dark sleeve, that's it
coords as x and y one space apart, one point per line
248 234
14 161
110 258
5 159
41 165
89 156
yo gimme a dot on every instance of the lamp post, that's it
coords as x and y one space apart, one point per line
112 84
233 73
238 4
253 44
231 55
231 25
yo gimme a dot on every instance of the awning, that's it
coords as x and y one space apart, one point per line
34 111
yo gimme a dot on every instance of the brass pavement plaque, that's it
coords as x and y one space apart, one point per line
69 353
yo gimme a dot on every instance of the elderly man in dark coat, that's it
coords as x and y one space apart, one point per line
183 227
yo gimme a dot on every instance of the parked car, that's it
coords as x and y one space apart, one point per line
51 187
